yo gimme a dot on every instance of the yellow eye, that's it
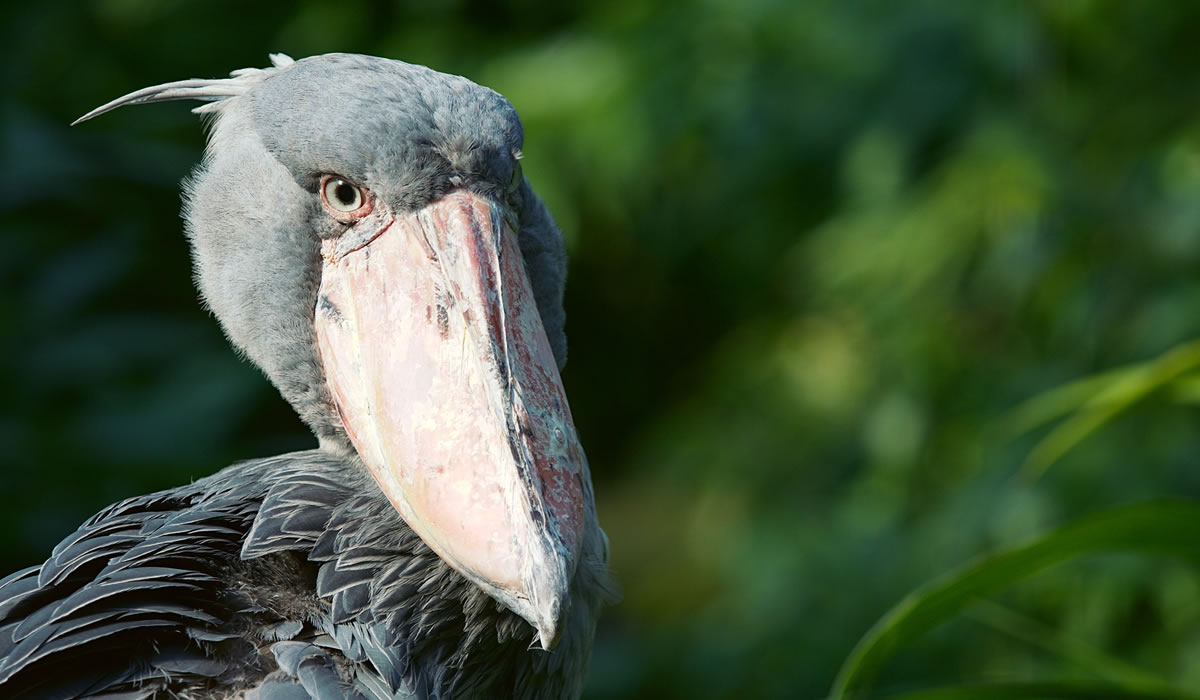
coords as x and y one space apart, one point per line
515 183
341 195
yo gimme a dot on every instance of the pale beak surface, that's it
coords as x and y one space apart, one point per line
436 357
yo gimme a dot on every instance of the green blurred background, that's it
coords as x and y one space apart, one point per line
838 270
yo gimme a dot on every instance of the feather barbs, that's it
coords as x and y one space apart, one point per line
210 90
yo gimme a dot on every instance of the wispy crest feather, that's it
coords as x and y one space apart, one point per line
210 90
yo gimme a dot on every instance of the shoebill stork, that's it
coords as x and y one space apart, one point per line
362 231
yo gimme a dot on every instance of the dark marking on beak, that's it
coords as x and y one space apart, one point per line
429 251
329 309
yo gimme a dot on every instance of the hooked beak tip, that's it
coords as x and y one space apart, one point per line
549 602
548 636
549 624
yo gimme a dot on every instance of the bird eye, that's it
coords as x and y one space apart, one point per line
342 196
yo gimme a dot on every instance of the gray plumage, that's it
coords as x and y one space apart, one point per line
293 576
255 227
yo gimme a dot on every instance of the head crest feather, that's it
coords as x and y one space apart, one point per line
210 90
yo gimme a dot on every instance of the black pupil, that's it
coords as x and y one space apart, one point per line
344 193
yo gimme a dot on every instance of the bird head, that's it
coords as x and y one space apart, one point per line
362 230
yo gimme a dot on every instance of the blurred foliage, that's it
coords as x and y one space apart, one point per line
1154 528
860 290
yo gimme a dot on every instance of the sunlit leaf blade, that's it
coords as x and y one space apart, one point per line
1160 528
1056 403
1049 690
1063 438
1186 389
1095 401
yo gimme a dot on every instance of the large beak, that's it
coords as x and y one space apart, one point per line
436 357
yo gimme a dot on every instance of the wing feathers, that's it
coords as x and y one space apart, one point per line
200 588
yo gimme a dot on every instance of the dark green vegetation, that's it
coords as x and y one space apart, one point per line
861 292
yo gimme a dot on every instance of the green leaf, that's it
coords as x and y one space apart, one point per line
1095 401
1058 402
1159 528
1186 389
